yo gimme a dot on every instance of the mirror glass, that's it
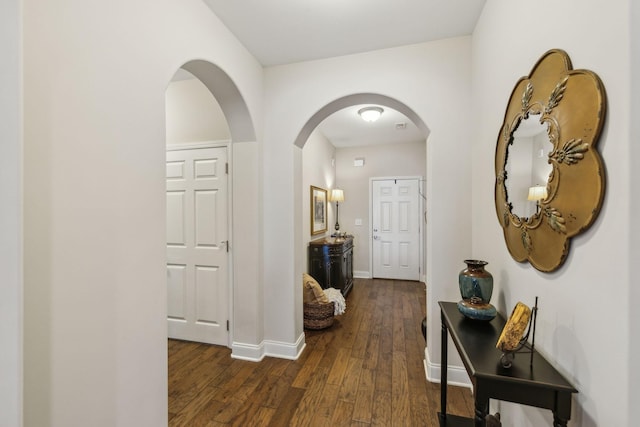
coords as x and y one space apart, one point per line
528 166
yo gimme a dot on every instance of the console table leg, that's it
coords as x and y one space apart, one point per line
562 410
559 422
443 369
482 409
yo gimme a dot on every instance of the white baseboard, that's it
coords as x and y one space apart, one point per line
285 350
255 353
250 352
456 375
362 275
367 275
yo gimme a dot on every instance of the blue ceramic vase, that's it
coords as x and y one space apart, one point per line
476 288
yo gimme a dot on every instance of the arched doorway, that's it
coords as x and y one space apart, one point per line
355 99
300 199
244 322
198 219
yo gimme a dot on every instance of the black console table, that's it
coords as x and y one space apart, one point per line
539 385
331 262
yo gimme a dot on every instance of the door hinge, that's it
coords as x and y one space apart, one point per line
226 168
227 326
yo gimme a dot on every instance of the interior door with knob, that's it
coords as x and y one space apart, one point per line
395 220
197 247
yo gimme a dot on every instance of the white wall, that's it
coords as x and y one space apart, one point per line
11 214
95 348
583 322
247 326
386 160
193 114
319 171
634 207
439 93
94 116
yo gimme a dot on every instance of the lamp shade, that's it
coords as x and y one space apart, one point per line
370 114
537 192
337 195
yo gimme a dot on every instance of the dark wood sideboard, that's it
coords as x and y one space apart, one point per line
538 384
331 262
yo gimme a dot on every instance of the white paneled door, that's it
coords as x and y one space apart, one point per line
396 229
197 254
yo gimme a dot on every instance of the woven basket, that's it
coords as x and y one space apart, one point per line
318 316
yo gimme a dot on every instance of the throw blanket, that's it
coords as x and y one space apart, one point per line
339 303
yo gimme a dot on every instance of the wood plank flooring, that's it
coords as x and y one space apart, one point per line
366 370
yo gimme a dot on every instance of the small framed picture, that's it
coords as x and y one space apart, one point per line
318 210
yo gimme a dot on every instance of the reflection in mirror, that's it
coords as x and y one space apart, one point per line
528 166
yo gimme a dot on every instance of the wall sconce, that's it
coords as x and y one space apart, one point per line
370 114
337 195
537 193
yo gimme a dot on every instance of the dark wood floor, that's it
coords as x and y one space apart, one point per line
367 369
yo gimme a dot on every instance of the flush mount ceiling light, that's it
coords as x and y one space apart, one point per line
370 114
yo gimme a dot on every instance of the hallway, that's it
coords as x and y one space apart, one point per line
367 369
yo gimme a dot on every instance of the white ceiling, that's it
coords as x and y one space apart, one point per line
345 128
286 31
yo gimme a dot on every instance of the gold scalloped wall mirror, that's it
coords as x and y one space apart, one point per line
550 178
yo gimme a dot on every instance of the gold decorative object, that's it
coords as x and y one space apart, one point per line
571 106
511 336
